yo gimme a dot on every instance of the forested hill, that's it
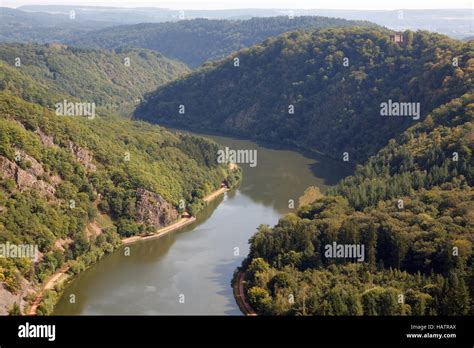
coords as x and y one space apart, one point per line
320 89
195 41
411 208
107 78
24 26
73 184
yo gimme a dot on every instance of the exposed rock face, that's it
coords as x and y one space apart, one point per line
26 179
152 209
93 230
36 168
62 243
83 156
47 140
8 169
7 299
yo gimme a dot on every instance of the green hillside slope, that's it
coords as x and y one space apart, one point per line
320 90
411 209
195 41
107 78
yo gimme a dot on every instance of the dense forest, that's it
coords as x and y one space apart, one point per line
196 41
411 206
108 78
319 89
74 185
40 27
53 23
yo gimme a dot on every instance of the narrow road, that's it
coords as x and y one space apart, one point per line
162 231
214 194
50 283
240 296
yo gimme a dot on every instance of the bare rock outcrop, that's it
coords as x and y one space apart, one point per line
152 209
62 243
83 156
35 168
93 229
7 299
46 140
26 179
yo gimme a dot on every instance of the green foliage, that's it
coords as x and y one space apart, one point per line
410 206
49 73
127 156
336 107
195 41
259 299
415 160
15 310
309 196
46 306
24 26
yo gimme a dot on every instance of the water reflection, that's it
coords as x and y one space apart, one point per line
199 260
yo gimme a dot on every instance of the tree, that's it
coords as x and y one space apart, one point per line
311 194
370 301
5 146
338 306
15 310
408 35
259 299
258 265
354 306
370 241
455 300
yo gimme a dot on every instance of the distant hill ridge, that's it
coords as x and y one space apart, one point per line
321 90
197 40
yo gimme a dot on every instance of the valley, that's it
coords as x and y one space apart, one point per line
172 167
199 260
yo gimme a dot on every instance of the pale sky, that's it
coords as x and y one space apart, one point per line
233 4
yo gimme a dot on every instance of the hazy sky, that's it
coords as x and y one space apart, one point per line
221 4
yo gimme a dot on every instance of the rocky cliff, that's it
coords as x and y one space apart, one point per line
26 179
152 209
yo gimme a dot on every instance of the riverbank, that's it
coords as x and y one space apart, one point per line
177 224
183 221
162 231
48 285
215 194
201 263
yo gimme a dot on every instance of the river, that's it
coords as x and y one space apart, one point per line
189 271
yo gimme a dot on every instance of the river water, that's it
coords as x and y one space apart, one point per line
189 271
